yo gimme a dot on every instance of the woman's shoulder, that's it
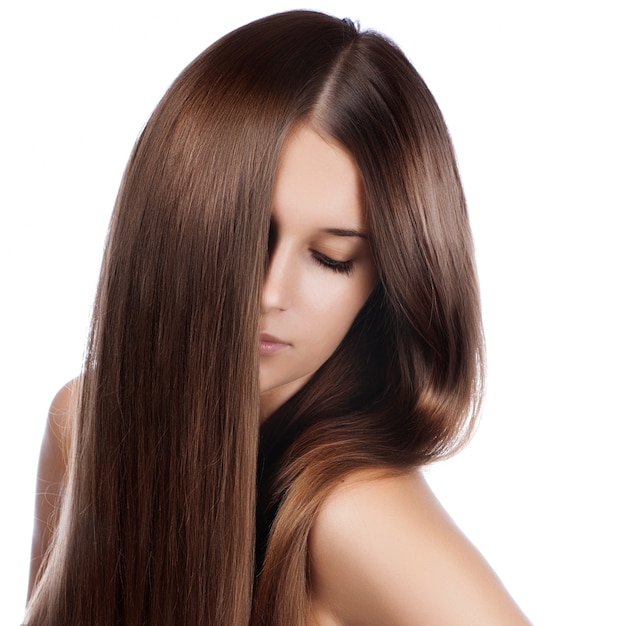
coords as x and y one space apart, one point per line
51 472
58 433
57 439
384 551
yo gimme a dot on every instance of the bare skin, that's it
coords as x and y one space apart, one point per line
384 551
53 459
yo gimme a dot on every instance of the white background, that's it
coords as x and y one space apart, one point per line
533 94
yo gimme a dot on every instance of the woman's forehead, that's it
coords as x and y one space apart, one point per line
318 181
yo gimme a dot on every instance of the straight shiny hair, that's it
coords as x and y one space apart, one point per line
165 513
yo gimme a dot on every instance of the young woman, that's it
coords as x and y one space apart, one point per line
287 326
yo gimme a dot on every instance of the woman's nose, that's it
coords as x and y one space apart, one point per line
277 287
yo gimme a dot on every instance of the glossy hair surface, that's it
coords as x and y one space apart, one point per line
158 523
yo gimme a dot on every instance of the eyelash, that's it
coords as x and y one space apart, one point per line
341 267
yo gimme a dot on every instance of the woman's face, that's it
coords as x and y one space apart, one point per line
320 269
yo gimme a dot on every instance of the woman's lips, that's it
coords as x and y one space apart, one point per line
269 345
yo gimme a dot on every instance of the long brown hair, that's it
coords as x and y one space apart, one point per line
158 523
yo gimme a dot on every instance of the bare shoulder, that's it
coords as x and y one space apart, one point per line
51 472
384 551
58 433
57 438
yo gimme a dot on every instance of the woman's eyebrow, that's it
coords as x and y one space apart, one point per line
345 232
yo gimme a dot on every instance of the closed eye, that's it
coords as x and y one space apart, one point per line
341 267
